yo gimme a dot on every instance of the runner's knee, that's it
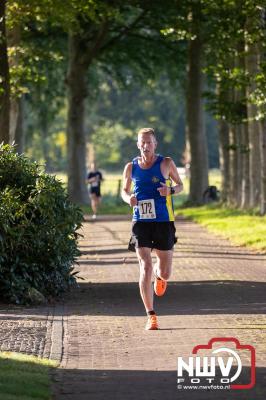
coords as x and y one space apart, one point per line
164 271
145 266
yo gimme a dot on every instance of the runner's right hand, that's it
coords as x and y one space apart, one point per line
133 200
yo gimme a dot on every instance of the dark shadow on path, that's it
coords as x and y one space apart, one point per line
182 298
180 252
107 218
103 251
142 385
112 262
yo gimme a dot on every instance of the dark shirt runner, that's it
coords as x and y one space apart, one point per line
95 184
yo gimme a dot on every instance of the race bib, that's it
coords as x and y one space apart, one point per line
147 209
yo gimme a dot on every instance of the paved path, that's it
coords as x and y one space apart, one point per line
35 331
216 290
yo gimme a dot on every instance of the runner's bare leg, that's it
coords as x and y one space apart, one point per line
163 265
145 277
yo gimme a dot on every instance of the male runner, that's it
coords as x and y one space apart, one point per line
155 179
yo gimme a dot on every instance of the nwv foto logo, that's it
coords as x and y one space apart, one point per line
223 365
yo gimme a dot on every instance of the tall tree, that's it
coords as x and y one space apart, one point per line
77 92
116 36
262 110
253 125
262 128
4 77
195 118
223 130
235 68
190 27
13 41
34 37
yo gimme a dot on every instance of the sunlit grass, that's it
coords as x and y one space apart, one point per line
24 377
242 228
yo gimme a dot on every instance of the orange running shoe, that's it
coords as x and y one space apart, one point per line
159 286
152 323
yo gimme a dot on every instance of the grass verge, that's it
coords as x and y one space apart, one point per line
24 377
110 205
241 227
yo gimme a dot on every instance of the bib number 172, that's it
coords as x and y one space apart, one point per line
147 209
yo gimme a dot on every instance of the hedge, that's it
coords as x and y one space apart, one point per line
38 231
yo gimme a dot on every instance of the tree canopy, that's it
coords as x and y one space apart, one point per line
96 69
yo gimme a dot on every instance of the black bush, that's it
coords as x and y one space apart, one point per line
38 231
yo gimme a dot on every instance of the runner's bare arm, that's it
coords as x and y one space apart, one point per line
91 180
174 175
126 194
170 170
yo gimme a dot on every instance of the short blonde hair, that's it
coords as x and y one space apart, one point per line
146 130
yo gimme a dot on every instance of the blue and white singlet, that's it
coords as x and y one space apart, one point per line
152 207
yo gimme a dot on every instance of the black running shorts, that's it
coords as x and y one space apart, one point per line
155 235
96 191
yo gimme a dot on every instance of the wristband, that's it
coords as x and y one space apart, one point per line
172 190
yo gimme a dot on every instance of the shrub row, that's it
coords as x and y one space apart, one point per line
38 231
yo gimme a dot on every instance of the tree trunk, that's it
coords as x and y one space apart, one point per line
263 167
238 95
195 121
17 129
245 186
16 104
255 164
76 81
233 165
253 127
244 165
186 157
45 143
262 126
4 78
14 112
20 129
223 130
239 170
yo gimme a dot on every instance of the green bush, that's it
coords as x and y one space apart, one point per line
38 231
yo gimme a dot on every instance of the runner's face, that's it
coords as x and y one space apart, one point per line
146 144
